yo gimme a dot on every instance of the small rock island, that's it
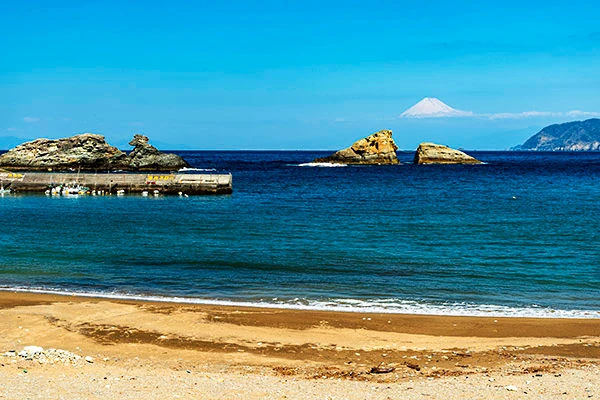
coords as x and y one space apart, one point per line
88 152
431 153
146 157
376 149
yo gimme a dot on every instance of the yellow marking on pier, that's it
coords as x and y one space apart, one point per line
152 178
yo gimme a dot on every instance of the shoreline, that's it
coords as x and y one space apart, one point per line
164 344
436 326
424 310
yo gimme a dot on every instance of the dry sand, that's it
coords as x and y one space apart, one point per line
165 350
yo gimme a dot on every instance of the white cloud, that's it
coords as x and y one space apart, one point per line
578 113
524 114
340 120
136 124
11 129
519 115
31 120
453 114
538 114
431 107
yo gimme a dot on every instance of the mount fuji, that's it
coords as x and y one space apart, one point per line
431 107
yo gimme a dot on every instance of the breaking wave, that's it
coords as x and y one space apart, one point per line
385 306
322 164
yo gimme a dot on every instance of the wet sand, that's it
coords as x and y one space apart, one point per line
145 349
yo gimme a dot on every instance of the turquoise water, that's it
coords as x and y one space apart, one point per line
516 236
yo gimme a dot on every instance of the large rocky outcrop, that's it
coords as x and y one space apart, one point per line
87 152
570 136
375 149
431 153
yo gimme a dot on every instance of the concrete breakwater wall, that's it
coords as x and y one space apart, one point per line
191 184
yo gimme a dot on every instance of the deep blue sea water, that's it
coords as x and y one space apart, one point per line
516 236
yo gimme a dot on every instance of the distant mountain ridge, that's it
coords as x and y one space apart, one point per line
569 136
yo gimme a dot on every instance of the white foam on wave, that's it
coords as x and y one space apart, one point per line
186 169
322 164
380 306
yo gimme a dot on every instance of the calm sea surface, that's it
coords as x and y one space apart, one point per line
517 236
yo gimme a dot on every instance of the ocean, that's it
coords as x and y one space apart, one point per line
516 236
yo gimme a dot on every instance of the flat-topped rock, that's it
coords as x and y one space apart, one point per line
431 153
378 148
88 152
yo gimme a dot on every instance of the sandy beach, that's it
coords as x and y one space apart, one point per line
125 349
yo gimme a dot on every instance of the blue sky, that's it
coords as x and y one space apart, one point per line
295 75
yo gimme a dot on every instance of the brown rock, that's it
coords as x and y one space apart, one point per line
430 153
375 149
148 158
88 152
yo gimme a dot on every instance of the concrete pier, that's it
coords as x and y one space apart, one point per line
169 183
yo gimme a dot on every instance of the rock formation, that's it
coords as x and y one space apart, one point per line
87 152
430 153
375 149
570 136
146 157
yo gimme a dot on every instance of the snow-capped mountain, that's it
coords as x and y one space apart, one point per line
431 107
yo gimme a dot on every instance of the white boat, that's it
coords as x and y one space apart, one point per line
72 189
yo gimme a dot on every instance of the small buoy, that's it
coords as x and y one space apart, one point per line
180 194
185 195
145 193
514 197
